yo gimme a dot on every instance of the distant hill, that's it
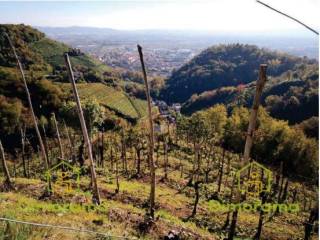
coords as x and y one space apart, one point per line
39 53
225 65
76 30
292 96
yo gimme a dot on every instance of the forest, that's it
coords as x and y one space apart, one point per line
227 73
86 155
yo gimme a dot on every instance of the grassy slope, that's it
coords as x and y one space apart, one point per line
52 51
120 214
111 98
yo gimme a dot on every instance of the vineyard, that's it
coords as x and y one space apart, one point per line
121 214
83 159
52 52
111 98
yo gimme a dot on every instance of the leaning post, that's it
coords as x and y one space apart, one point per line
95 190
151 136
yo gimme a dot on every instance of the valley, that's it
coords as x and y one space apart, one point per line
168 50
192 147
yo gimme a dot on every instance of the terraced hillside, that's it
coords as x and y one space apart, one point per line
111 98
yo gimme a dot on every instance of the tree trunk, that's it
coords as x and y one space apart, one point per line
117 177
165 147
285 191
138 161
261 216
226 224
7 182
233 226
95 190
157 149
111 158
81 154
196 150
281 189
101 150
228 164
294 195
45 142
309 225
196 200
221 170
23 134
123 152
181 168
151 137
199 154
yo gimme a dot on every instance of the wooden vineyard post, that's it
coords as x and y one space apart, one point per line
95 190
249 140
7 181
151 136
254 112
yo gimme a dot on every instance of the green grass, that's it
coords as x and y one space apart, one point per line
52 51
18 206
119 218
121 213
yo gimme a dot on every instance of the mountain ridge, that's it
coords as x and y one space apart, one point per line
225 65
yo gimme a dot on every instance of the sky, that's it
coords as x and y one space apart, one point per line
209 15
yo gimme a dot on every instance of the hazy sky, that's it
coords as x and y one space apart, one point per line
213 15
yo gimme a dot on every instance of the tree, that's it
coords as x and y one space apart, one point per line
235 128
196 186
139 144
310 127
198 133
94 114
34 118
217 119
10 114
309 225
